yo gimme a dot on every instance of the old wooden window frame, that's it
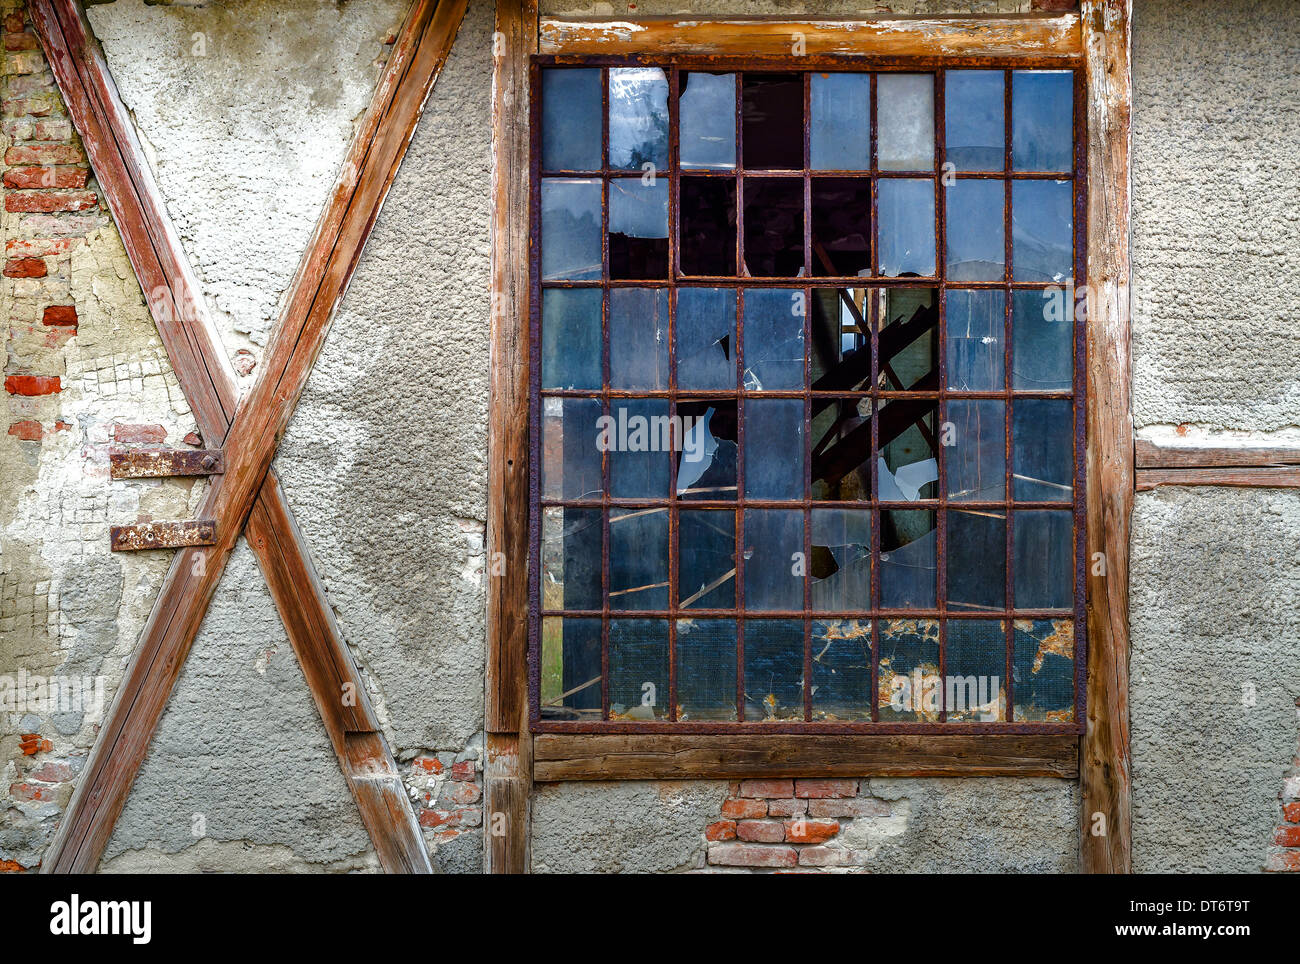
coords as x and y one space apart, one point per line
1095 38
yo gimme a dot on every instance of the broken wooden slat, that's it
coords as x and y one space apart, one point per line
162 463
563 756
1029 36
1252 477
163 535
1105 775
1155 455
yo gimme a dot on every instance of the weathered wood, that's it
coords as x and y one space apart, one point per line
162 463
1155 455
1029 36
162 535
208 383
1270 477
508 773
1105 769
725 757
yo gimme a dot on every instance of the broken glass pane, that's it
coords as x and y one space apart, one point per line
906 227
977 460
706 546
706 464
975 138
638 669
841 670
570 229
1042 231
708 121
1043 465
1044 547
908 466
909 341
840 565
571 552
975 239
638 558
571 339
1042 355
840 126
975 663
907 559
638 118
841 340
640 438
774 448
1042 120
910 689
1044 670
571 125
977 560
772 121
774 559
638 338
841 226
905 135
707 232
773 669
571 457
774 339
774 227
976 327
706 669
570 669
638 228
841 451
706 338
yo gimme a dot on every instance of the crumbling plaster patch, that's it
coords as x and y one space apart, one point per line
240 753
385 461
1215 673
246 111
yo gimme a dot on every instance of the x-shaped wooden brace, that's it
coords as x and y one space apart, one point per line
247 498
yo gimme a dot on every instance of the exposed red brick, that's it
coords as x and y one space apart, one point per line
821 789
786 808
44 202
245 361
811 831
32 385
24 267
827 857
54 772
459 794
1287 836
52 130
751 855
27 430
21 178
33 743
194 438
11 867
851 807
147 434
464 770
20 41
722 830
766 788
45 154
744 809
1283 861
31 791
1291 812
429 764
438 818
60 315
39 247
760 831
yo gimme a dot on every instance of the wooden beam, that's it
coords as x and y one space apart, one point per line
1028 36
1274 477
162 535
1105 767
1157 455
208 383
559 756
508 771
163 463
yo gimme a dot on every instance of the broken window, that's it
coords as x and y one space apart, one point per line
807 397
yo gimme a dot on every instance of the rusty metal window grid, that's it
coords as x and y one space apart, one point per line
673 67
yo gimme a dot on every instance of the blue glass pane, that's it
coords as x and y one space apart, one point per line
571 119
841 670
905 209
638 669
976 332
1042 120
905 122
975 237
708 120
975 671
706 669
1044 550
638 228
840 129
774 344
1042 231
974 127
706 338
638 338
570 229
774 563
571 449
571 339
774 449
638 118
1042 432
773 669
1042 341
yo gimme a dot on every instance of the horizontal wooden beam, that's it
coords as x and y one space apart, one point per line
1156 455
1022 37
563 756
162 463
1275 477
163 535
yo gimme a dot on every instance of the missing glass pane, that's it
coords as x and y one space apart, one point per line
772 121
841 226
773 227
708 226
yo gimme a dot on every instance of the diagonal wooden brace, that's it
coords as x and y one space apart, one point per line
247 498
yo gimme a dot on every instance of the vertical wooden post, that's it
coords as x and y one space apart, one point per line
1104 765
508 774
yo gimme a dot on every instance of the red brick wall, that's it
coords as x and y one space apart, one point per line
1284 854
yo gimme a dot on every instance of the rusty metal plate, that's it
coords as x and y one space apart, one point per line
158 463
163 535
